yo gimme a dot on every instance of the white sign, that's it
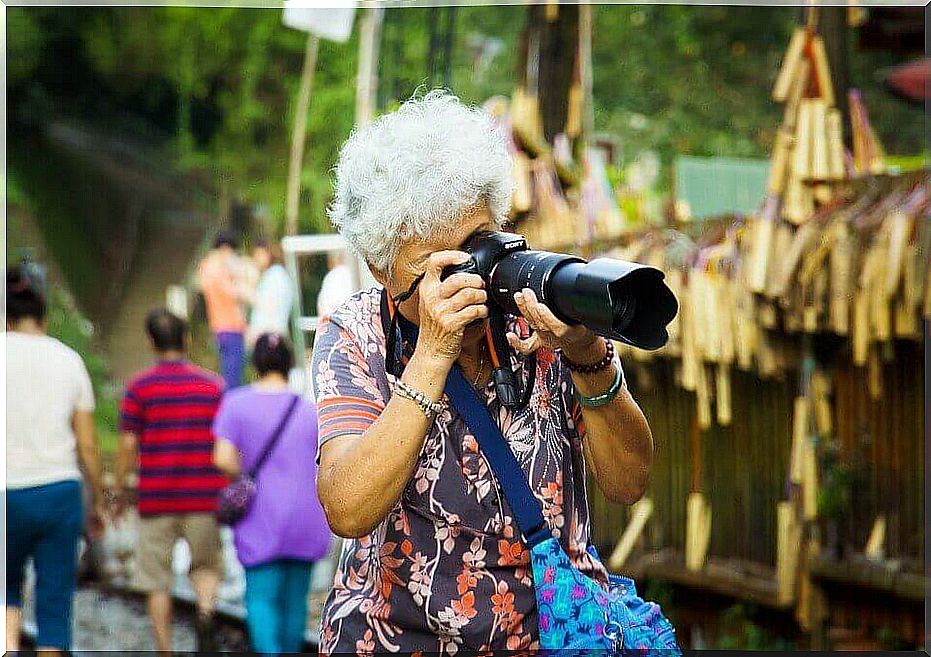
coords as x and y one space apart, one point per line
333 22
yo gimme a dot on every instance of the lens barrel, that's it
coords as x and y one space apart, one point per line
616 299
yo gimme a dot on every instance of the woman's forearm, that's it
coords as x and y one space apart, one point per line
618 444
362 477
88 452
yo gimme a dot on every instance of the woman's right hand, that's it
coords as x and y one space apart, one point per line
447 307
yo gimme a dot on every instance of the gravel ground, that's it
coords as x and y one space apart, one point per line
104 621
107 619
111 621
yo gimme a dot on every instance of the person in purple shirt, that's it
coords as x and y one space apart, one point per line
285 530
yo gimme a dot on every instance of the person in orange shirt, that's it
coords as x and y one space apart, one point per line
224 294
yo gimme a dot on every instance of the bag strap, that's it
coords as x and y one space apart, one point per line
524 505
270 444
528 514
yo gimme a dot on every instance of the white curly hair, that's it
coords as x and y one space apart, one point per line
410 173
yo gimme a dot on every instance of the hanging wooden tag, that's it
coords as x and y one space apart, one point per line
861 328
789 69
900 229
703 398
779 165
723 394
801 154
820 167
787 549
763 229
799 88
690 356
810 481
799 437
842 278
822 70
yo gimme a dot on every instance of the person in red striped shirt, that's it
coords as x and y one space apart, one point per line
165 430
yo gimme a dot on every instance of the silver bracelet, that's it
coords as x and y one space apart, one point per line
429 408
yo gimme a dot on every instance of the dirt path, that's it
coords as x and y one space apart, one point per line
165 252
146 237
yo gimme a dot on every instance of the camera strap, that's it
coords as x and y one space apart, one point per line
528 514
469 405
389 311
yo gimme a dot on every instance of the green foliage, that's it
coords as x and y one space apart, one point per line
688 80
66 214
14 191
662 593
24 51
834 494
740 632
891 639
220 82
66 323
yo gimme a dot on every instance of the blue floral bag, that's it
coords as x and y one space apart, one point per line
575 611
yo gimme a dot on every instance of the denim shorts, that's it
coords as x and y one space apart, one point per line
44 523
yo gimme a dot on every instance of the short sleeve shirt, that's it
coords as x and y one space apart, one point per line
171 407
46 382
446 570
217 274
273 296
284 520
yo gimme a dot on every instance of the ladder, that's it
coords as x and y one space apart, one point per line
303 321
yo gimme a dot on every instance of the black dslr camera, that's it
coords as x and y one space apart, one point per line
616 299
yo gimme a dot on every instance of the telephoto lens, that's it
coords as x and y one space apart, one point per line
616 299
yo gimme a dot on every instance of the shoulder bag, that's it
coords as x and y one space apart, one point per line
235 499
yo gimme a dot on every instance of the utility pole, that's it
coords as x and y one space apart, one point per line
299 135
367 77
586 70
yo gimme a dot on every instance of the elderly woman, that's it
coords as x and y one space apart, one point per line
435 561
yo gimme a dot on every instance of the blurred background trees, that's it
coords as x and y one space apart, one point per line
213 88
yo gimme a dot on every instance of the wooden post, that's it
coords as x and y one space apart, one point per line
548 71
299 135
836 34
448 39
586 69
367 77
366 92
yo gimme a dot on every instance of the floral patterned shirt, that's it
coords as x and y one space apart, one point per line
447 570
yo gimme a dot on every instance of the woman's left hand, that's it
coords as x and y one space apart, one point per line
579 343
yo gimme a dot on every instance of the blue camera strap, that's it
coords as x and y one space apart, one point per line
525 507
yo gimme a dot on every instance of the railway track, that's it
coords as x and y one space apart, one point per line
114 618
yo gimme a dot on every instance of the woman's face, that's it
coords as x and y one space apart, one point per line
412 260
262 258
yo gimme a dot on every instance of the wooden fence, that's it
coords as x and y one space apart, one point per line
743 466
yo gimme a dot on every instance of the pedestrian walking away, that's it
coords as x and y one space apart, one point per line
51 440
271 305
221 278
267 432
336 286
165 431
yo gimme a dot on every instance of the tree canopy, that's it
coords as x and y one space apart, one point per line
215 86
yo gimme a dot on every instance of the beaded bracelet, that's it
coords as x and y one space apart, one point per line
429 408
607 396
593 367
